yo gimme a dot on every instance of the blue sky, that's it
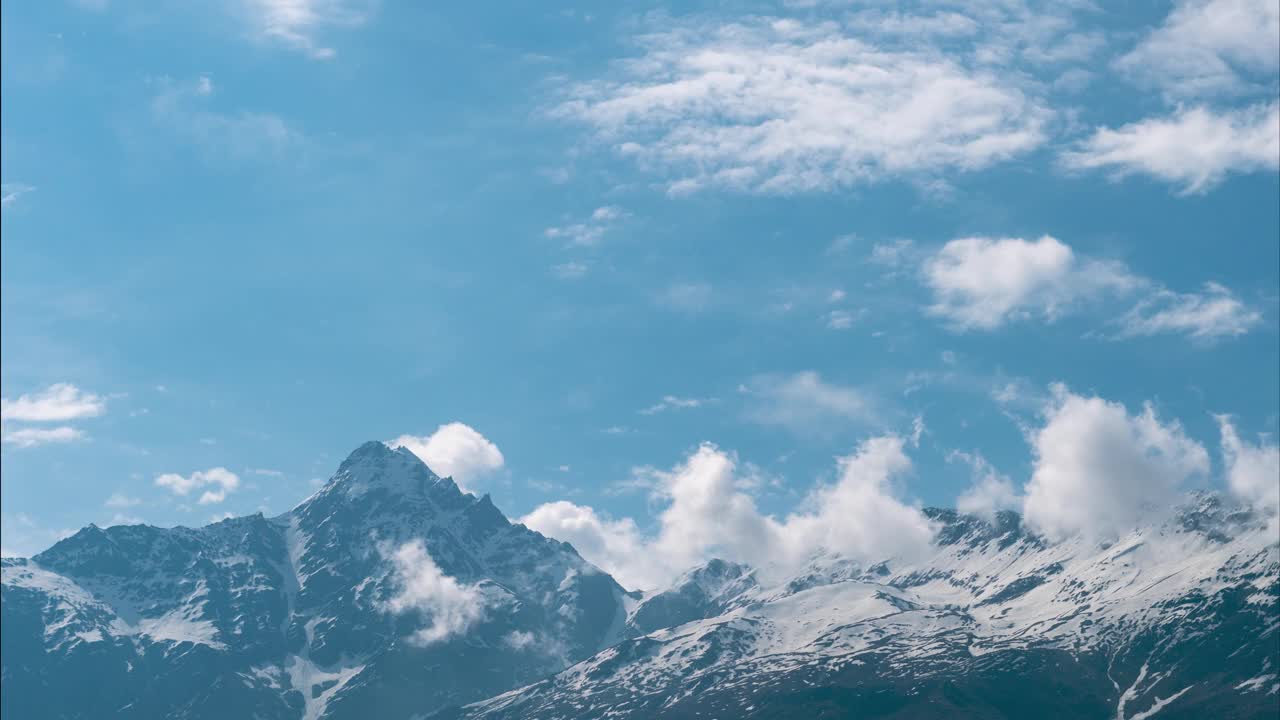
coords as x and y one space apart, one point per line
251 237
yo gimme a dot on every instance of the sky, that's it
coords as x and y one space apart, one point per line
699 278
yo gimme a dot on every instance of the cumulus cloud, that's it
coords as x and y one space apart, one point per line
616 546
990 492
454 450
775 105
710 513
219 482
804 402
1253 471
448 606
1210 315
31 437
1207 47
1194 148
861 515
982 283
59 402
1099 470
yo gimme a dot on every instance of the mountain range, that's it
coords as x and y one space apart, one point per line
390 593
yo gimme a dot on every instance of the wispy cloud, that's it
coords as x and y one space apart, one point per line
10 192
298 23
1194 148
672 402
1210 47
805 403
31 437
587 232
1209 315
570 270
188 109
120 500
778 105
58 402
690 297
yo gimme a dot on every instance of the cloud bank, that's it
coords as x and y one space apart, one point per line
709 513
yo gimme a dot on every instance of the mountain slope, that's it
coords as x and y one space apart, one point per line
290 617
1179 619
392 594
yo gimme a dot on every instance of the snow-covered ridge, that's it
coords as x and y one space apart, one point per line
290 616
1165 618
303 616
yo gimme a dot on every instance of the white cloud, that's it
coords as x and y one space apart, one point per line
982 283
893 254
296 23
1099 470
616 546
840 319
990 492
860 515
265 472
186 109
58 402
782 106
30 437
709 513
23 536
805 402
1207 47
119 500
10 192
122 519
570 270
454 450
1210 315
518 639
588 232
1253 471
672 402
219 481
686 297
449 607
1194 148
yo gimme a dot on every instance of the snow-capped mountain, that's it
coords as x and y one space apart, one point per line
392 594
1181 619
294 616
